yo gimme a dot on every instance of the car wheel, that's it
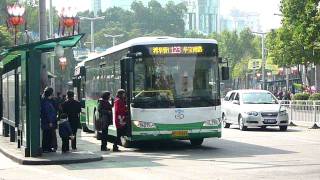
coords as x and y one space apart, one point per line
225 124
242 127
263 127
196 142
283 128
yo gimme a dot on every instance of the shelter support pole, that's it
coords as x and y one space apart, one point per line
33 102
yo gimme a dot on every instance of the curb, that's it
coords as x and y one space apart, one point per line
34 161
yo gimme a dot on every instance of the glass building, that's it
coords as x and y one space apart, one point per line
95 6
202 16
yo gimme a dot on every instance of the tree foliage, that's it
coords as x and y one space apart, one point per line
150 20
238 49
297 41
5 37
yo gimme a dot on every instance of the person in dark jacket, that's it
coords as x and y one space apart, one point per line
65 132
48 117
105 116
120 109
57 105
72 108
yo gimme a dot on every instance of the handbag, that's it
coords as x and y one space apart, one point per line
64 128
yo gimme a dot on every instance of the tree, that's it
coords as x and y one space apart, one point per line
6 38
296 42
114 29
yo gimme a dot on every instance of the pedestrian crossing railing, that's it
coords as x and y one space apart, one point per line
305 111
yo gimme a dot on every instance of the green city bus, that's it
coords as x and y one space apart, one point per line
172 86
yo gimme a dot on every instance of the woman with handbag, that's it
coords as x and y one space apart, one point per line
105 117
120 109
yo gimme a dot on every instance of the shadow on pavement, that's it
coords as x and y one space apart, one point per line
149 154
269 129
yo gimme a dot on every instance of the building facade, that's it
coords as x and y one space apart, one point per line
202 16
95 6
238 21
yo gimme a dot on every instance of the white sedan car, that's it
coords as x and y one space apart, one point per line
253 108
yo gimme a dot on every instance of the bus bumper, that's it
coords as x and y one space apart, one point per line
168 135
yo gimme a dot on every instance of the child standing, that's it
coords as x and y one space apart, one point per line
65 132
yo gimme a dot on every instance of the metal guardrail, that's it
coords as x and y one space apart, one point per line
306 111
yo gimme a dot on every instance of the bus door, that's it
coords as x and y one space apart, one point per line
126 66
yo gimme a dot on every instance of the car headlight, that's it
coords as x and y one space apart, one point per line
142 124
252 113
212 122
282 112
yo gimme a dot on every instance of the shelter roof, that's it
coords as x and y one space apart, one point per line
9 54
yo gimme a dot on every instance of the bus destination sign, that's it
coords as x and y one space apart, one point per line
172 50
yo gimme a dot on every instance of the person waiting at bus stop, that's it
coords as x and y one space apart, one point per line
48 115
105 117
120 109
72 108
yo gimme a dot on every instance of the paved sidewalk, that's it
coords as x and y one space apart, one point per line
86 152
305 124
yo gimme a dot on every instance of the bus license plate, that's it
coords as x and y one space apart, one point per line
179 133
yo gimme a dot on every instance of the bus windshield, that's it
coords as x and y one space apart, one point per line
176 81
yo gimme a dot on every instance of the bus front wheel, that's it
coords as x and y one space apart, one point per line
196 142
125 142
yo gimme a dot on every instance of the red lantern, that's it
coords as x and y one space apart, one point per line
63 63
68 20
15 18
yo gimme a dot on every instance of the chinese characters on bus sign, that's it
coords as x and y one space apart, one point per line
165 50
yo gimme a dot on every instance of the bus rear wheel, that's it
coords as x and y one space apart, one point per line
196 142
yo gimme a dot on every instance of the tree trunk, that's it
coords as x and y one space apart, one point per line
305 74
317 77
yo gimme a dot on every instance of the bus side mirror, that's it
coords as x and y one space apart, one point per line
225 73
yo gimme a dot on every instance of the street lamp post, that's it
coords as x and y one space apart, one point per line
113 37
92 28
263 64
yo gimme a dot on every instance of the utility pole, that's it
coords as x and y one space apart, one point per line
43 36
263 64
51 35
113 37
92 28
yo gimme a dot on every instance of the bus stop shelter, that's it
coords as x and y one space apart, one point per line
20 91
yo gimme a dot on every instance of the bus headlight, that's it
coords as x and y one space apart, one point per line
142 124
212 122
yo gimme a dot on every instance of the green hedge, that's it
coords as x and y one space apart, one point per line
315 96
301 96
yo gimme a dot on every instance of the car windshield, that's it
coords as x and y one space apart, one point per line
258 98
179 81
